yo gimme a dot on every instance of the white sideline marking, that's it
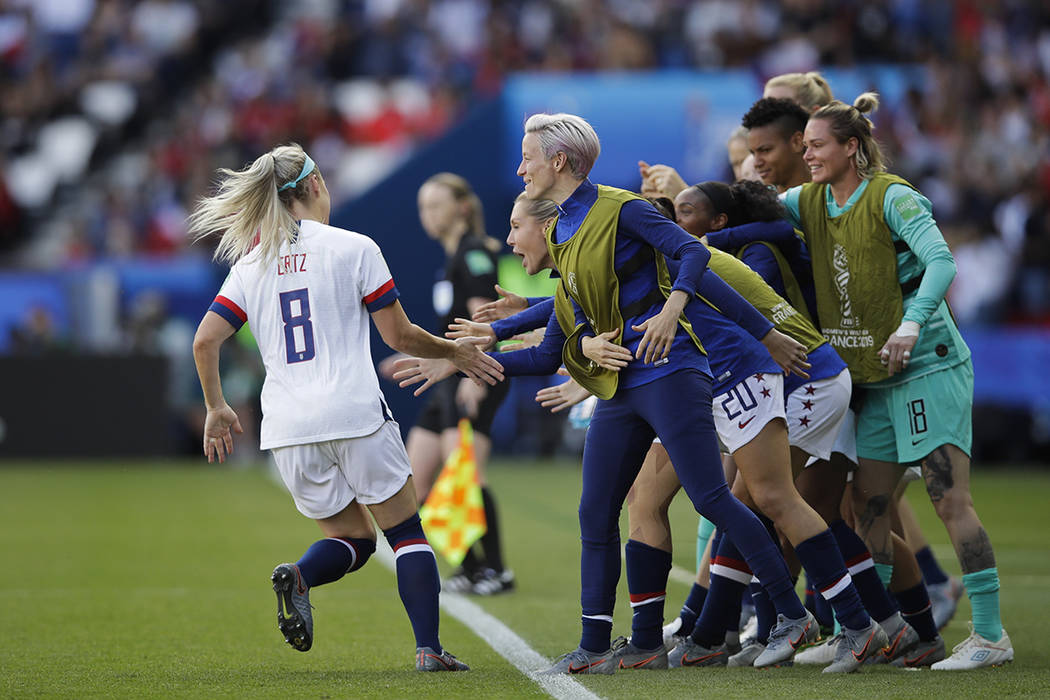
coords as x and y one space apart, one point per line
682 575
502 639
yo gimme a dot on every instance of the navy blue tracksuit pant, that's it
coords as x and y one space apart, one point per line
677 409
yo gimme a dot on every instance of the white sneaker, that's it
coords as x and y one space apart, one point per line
671 629
750 630
976 652
819 654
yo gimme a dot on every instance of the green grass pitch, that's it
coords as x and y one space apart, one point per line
151 580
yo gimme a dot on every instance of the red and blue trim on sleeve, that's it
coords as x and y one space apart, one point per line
233 314
384 296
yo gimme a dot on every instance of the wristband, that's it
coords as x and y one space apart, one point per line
907 329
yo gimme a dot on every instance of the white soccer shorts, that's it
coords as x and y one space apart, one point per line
325 477
815 414
742 411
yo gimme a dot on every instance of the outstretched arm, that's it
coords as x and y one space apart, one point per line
464 353
541 359
780 232
507 304
535 316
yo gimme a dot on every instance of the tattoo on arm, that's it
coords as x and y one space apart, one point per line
937 470
976 553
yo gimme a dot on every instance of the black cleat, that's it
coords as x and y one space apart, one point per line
294 618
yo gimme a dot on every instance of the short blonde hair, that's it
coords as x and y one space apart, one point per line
569 134
250 203
539 209
811 90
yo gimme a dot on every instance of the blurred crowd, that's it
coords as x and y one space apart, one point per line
116 112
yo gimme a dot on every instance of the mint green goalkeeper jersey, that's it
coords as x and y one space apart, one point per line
909 216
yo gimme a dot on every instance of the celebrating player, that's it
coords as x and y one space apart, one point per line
881 269
306 289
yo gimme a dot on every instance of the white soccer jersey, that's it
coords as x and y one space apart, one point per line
309 311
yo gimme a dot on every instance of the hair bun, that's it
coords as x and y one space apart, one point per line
867 102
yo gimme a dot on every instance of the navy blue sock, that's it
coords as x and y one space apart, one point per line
931 570
765 614
860 566
917 611
730 575
811 596
824 613
332 558
691 610
821 558
647 570
788 600
762 555
417 579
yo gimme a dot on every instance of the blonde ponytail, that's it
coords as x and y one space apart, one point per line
249 211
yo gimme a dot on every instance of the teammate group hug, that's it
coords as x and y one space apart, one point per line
779 347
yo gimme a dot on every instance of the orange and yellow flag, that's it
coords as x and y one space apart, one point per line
454 515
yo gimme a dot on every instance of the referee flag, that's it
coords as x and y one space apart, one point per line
454 515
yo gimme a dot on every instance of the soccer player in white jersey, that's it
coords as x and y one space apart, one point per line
306 289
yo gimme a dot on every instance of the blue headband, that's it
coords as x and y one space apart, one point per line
308 167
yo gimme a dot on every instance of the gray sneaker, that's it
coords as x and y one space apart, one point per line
294 618
785 637
627 655
429 660
689 653
944 599
902 638
732 642
922 654
579 660
747 655
856 646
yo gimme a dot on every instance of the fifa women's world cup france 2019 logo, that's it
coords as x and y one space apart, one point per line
841 263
